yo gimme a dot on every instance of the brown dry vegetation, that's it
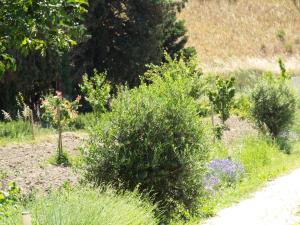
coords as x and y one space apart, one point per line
244 32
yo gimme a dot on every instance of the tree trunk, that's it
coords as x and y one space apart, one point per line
213 122
32 124
59 134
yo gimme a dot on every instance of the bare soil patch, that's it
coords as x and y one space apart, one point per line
238 128
28 164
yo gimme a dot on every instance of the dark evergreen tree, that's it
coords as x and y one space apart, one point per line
126 35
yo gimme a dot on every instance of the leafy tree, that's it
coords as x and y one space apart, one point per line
222 97
37 25
97 91
36 36
60 112
126 35
273 102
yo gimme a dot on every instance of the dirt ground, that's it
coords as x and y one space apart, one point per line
238 128
28 164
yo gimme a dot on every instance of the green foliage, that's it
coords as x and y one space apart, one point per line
222 97
15 129
218 131
128 35
256 153
122 38
83 121
61 158
153 138
9 200
97 91
284 75
263 162
23 28
273 104
87 206
242 105
187 72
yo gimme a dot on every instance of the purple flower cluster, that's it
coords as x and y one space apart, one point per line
222 172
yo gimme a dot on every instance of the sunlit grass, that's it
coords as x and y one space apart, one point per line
87 207
15 132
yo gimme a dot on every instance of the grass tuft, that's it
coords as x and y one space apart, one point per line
86 206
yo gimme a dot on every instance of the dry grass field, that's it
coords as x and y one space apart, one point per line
244 33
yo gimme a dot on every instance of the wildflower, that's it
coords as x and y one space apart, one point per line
223 172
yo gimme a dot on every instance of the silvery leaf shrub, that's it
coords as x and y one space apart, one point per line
273 104
153 139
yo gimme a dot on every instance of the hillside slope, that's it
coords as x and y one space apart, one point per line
244 32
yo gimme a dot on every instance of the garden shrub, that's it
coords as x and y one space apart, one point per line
88 207
153 139
273 104
60 112
188 76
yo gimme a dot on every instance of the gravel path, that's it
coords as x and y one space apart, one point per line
275 204
28 164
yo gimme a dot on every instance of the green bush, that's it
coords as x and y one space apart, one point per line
273 104
153 138
88 207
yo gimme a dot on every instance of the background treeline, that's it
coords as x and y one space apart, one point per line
120 37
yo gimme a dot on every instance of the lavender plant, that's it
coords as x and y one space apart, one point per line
222 172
